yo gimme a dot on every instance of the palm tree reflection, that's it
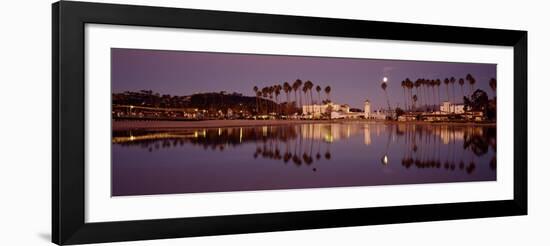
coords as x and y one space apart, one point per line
424 146
434 138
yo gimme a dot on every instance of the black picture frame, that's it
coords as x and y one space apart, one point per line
68 107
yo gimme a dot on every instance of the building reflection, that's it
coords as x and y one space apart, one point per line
449 147
366 135
421 146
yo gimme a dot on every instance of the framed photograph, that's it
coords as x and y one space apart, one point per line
175 122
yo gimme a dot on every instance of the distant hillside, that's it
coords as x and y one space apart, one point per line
211 100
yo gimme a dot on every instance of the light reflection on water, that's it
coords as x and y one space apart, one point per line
300 156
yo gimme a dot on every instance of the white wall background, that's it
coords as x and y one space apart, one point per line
25 63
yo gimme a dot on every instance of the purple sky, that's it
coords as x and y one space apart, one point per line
352 80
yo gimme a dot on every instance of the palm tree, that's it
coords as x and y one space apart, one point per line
403 85
452 80
300 83
416 86
408 97
277 93
493 85
414 98
287 88
426 93
309 86
433 84
410 86
265 95
446 82
270 90
304 89
461 83
311 92
438 84
424 98
471 81
327 91
384 86
295 86
256 93
318 89
427 88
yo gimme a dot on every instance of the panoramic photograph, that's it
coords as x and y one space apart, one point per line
195 122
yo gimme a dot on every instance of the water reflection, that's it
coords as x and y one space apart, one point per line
422 147
427 145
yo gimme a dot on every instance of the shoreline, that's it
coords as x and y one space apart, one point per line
175 125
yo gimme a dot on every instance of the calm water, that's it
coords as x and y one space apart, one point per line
299 156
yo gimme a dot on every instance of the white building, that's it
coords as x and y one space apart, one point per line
338 111
367 109
377 115
349 115
317 110
449 108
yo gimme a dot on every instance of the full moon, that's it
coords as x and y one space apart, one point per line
385 79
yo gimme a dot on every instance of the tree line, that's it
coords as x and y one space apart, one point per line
425 95
287 107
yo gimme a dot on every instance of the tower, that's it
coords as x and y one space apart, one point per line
367 109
